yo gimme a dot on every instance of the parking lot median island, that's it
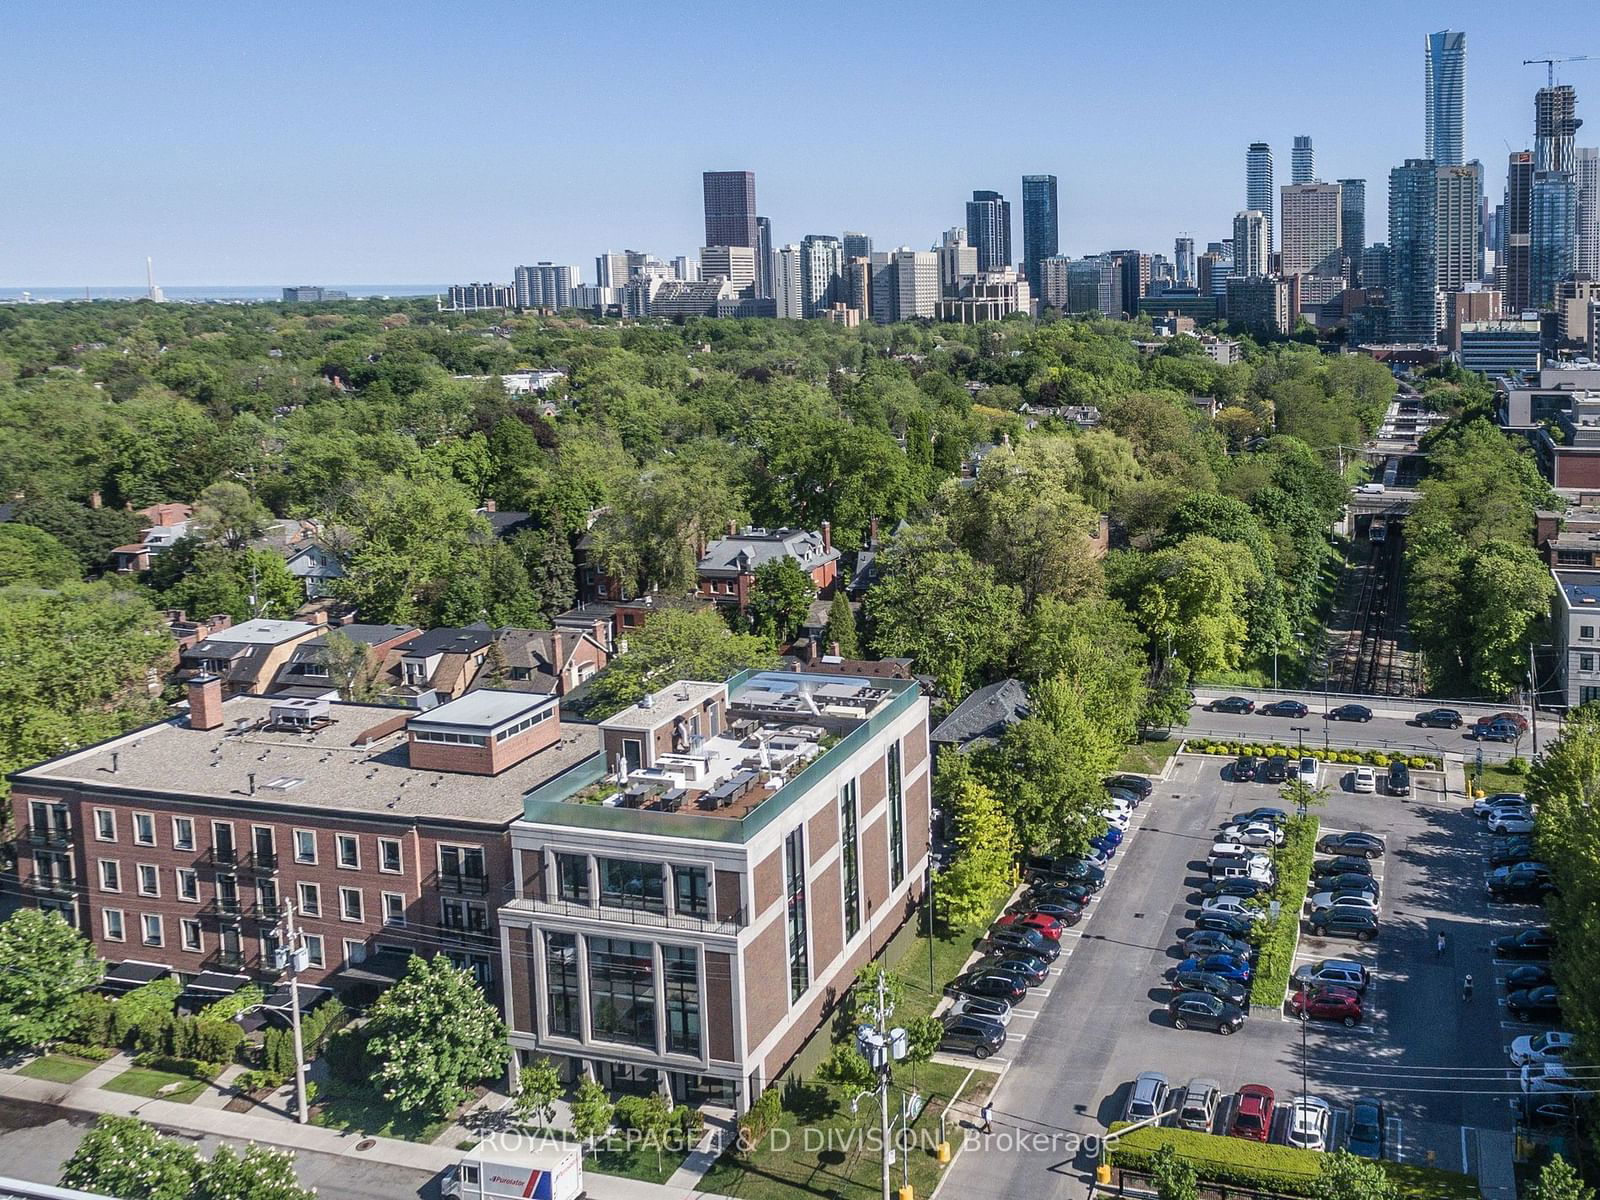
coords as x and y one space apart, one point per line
1277 937
1349 758
1283 1169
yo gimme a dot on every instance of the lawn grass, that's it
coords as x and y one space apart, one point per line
58 1068
1498 779
144 1081
1150 758
362 1110
636 1162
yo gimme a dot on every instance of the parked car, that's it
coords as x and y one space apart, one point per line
1524 883
1545 1110
1368 845
990 985
1528 975
1367 1128
1351 901
1398 782
1256 833
1551 1046
1554 1078
1440 718
979 1035
1363 779
1535 1004
1231 906
1307 771
1060 893
1310 1119
1327 1003
1508 851
1230 990
1137 784
998 1011
1122 797
1252 1112
1344 864
1277 769
1027 941
1202 1010
1256 866
1045 926
1232 704
1505 822
1337 972
1227 923
1345 922
1245 768
1497 731
1223 851
1536 941
1229 966
1199 1108
1285 708
1070 870
1030 969
1117 819
1348 883
1211 941
1484 805
1245 888
1065 915
1350 712
1272 816
1147 1097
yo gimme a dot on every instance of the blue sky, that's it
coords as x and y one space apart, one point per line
399 142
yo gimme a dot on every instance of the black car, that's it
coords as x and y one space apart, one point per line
1244 771
1441 718
1285 708
1230 990
1137 784
1272 816
1350 712
1068 870
1232 704
1344 922
1350 882
1277 769
1210 941
977 1034
1524 883
1060 893
1528 975
1245 889
1497 731
1223 923
1535 1004
1026 941
1536 941
1068 914
1029 968
1365 844
1201 1010
991 985
1345 864
1399 781
1509 851
1545 1109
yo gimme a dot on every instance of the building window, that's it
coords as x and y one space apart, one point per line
316 956
111 919
561 984
572 878
850 858
152 929
464 916
622 991
680 985
188 884
897 818
354 951
461 865
349 904
144 829
110 875
267 899
310 900
394 909
794 880
183 833
389 855
222 847
190 931
349 851
149 880
105 825
263 846
628 883
305 846
1585 662
691 891
1586 632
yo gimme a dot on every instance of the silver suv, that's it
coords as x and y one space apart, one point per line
1341 971
1148 1096
1199 1108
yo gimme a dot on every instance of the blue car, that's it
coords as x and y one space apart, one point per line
1107 849
1229 966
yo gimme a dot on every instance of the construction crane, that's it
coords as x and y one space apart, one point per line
1550 65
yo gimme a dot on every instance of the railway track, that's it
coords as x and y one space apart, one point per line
1370 655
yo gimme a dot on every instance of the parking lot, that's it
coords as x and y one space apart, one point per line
1437 1062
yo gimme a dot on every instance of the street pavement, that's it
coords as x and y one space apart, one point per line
1104 1021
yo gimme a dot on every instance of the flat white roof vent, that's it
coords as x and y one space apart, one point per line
284 783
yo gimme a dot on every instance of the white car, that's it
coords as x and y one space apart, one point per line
1363 779
1121 802
1310 1118
1482 806
1233 907
1508 820
1552 1077
998 1011
1549 1047
1362 900
1307 770
1257 833
1116 818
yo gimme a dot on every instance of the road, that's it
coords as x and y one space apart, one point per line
1390 726
1104 1021
35 1140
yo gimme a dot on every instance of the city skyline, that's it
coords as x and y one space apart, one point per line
224 187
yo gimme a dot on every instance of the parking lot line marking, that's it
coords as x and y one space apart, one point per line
1397 1144
1465 1170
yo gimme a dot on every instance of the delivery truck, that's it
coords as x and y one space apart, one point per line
490 1173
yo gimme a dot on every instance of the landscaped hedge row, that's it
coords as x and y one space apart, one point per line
1276 937
315 1026
1376 758
1274 1168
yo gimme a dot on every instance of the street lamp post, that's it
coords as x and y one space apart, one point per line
1302 730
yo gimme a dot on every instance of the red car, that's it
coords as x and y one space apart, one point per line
1252 1116
1045 926
1327 1003
1517 719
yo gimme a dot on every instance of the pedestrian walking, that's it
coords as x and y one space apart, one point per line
1466 988
986 1114
1439 945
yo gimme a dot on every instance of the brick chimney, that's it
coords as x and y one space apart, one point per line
872 534
827 535
733 528
205 702
557 648
488 506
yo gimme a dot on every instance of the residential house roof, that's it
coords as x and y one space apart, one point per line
984 716
742 552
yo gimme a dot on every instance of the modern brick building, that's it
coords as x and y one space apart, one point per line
693 898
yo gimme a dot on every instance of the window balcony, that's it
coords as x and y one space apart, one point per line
48 835
457 884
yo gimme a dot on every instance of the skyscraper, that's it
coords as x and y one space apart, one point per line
1041 228
1311 230
788 283
916 283
1458 227
1183 262
958 259
1353 223
1552 234
1555 122
1250 242
764 258
544 286
989 229
856 245
736 264
1258 194
1413 268
1444 99
730 198
1302 165
1587 168
610 269
821 272
1514 232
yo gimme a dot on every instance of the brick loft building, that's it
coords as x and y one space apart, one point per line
692 899
178 843
726 571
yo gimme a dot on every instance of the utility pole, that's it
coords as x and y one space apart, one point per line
881 1046
293 957
883 1084
1533 699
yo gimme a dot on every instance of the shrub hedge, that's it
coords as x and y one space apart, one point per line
1276 937
194 1068
1375 758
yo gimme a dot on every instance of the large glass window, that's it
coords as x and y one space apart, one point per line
794 878
691 893
850 859
628 883
561 983
680 985
897 819
622 991
572 877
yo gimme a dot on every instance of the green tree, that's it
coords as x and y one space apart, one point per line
1559 1181
350 666
591 1111
781 598
124 1157
673 645
1191 598
538 1089
650 537
1173 1177
1097 649
847 1070
841 627
982 869
434 1035
44 963
1345 1176
229 516
89 534
242 583
546 556
32 556
258 1173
